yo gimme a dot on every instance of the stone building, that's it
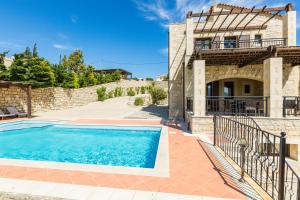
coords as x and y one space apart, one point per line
234 60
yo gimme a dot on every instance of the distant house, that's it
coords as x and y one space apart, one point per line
162 78
125 74
8 62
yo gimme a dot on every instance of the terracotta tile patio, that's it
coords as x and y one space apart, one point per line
193 170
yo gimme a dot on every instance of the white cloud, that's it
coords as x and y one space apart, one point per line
11 45
65 47
74 19
62 36
164 51
171 11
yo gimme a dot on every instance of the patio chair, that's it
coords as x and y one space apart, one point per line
251 107
13 110
3 115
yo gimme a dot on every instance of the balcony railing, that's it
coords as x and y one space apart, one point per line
260 154
291 106
240 44
249 106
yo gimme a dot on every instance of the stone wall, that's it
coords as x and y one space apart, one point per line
177 46
45 99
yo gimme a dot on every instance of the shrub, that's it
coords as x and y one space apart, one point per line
71 81
118 91
101 93
130 92
143 89
137 90
139 101
110 94
157 94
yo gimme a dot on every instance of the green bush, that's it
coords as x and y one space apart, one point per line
139 101
130 92
101 94
118 92
157 94
110 94
143 89
137 90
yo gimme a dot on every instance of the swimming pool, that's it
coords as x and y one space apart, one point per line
98 145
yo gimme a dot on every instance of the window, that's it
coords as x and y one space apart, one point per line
258 41
230 42
203 43
247 89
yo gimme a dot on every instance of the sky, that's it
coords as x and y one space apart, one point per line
128 34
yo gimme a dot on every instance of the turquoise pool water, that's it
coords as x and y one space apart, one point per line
100 145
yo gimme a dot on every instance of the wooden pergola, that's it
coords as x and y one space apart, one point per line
246 56
236 11
24 86
243 57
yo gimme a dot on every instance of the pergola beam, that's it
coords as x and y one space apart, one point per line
198 20
207 18
274 15
212 26
244 17
230 29
268 11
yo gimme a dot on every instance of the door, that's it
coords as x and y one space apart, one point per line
228 89
244 41
230 42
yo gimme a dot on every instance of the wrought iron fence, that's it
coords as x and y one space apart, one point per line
260 154
291 106
241 44
250 105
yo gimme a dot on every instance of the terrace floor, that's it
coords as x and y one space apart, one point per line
196 168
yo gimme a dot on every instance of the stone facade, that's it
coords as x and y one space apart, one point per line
55 98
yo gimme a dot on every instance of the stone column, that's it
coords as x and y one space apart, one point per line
199 90
273 86
189 51
289 27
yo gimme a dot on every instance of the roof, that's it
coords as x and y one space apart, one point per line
112 71
243 57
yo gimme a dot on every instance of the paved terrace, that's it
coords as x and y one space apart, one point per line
197 171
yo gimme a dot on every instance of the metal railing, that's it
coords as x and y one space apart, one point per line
241 44
258 153
291 106
250 105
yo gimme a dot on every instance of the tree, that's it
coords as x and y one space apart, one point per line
2 66
27 53
41 74
76 62
34 70
35 53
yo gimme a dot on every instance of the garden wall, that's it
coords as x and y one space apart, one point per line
56 98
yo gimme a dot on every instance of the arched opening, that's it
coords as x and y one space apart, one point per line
236 96
234 87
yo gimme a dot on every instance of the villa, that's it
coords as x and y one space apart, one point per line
224 123
234 60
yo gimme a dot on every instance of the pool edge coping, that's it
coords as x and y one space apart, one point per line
161 168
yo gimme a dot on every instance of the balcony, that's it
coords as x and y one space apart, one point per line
239 44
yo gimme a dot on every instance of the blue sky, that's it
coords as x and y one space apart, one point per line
129 34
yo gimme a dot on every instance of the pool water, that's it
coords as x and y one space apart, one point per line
100 145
